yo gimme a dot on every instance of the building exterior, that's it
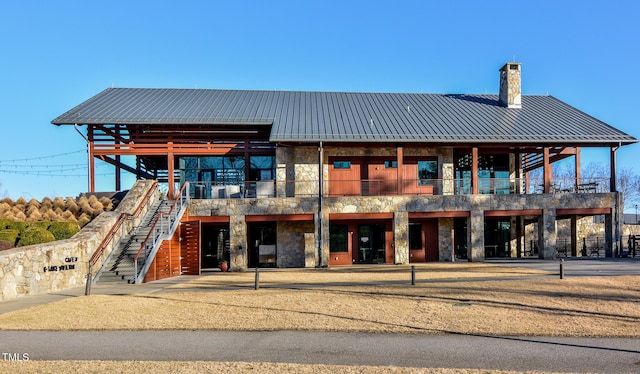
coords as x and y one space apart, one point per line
306 179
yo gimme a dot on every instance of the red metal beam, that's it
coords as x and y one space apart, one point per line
278 217
336 216
513 213
583 211
450 214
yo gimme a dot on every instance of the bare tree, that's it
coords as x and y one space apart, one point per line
627 183
594 171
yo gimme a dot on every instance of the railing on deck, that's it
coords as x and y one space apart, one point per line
161 229
405 187
101 255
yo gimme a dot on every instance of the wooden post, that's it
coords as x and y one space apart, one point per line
170 161
547 171
474 170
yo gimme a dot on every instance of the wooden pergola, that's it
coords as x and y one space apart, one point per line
157 147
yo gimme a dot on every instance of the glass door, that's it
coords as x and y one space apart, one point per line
497 234
371 244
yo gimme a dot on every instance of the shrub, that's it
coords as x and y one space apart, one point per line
10 235
41 225
5 223
84 219
96 205
72 206
58 203
63 230
50 215
17 225
106 203
34 202
17 213
5 244
85 207
7 200
4 207
68 216
34 235
46 203
33 214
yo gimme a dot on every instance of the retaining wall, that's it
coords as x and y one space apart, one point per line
63 264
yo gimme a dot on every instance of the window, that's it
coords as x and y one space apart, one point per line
391 164
338 238
415 235
342 164
427 172
262 168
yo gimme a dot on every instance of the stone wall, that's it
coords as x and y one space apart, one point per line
62 264
291 243
298 167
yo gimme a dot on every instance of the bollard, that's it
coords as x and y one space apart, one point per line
562 269
87 287
413 275
257 284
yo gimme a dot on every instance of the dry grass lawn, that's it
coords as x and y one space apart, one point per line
447 298
154 367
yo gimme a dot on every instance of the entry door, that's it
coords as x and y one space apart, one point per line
423 241
215 245
371 244
497 234
262 242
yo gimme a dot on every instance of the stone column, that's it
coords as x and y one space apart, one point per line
547 234
446 239
447 173
326 237
310 250
475 237
575 247
401 237
238 245
610 246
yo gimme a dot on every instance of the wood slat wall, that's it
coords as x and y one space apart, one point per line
190 250
166 264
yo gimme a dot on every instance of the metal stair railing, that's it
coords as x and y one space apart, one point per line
100 256
162 229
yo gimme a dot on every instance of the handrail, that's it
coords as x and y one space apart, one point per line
99 252
182 197
146 198
107 240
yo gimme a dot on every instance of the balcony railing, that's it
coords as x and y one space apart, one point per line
408 187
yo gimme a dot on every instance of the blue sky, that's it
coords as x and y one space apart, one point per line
56 54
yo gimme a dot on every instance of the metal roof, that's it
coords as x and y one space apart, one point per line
298 116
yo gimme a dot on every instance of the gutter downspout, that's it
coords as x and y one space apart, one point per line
320 193
613 187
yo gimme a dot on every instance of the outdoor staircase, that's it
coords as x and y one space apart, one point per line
121 266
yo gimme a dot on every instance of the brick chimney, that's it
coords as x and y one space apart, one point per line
510 85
